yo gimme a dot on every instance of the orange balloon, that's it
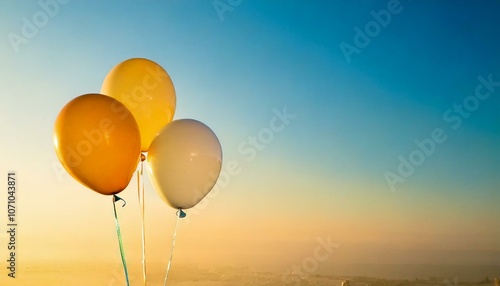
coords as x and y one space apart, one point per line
147 91
97 140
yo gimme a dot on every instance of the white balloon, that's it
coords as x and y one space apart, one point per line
185 160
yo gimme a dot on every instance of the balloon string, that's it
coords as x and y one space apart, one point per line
180 214
140 192
122 252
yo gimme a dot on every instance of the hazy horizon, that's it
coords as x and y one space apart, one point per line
454 274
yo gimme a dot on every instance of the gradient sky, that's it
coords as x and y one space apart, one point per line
322 176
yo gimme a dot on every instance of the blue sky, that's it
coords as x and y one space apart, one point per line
352 121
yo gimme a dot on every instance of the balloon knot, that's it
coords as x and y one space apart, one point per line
180 213
117 198
143 157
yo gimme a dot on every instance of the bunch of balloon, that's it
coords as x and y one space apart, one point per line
185 161
100 139
98 142
146 89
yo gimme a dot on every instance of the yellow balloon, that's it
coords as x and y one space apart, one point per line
184 161
147 91
98 142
